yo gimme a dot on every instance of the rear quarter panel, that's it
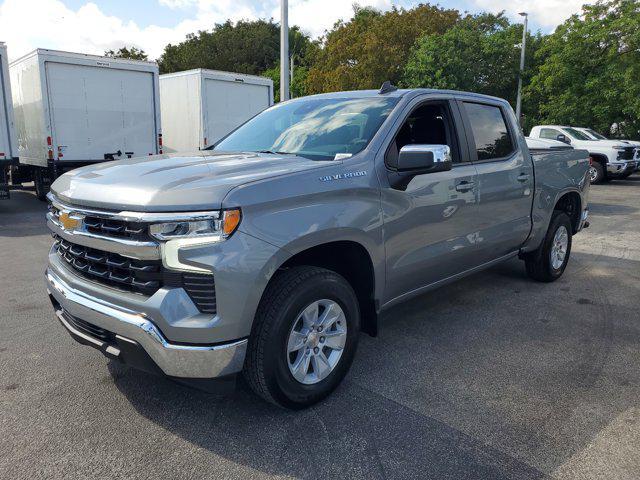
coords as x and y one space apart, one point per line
556 173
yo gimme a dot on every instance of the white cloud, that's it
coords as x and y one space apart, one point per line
548 14
29 24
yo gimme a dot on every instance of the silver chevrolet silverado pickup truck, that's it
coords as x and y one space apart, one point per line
271 252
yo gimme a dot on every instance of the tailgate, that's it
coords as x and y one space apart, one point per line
97 112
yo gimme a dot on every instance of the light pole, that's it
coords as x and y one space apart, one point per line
284 50
522 52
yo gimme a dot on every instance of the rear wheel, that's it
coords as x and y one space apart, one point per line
596 173
304 337
42 182
547 263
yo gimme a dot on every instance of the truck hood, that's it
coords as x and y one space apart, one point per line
172 182
603 143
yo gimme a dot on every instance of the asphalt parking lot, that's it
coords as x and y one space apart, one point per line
493 377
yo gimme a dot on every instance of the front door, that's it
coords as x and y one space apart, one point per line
430 227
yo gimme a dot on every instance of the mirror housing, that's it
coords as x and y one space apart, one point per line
563 138
418 160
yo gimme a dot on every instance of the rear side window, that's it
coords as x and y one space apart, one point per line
490 131
550 133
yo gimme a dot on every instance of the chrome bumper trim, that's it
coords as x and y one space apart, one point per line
185 361
121 246
128 216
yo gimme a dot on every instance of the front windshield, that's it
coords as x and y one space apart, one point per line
577 134
316 128
595 134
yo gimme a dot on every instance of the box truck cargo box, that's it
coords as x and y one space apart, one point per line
8 149
74 109
199 107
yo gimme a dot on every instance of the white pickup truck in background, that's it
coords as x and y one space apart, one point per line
610 159
590 132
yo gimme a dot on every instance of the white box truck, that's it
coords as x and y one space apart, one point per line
199 107
8 147
74 109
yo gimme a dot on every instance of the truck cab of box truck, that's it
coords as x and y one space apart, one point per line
8 145
74 109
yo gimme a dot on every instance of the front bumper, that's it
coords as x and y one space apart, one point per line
128 332
617 169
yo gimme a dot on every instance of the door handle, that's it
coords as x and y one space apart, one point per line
523 177
464 186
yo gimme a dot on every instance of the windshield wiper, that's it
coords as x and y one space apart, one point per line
274 153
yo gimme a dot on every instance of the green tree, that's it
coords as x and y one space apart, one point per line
481 53
132 53
590 70
245 47
297 86
373 46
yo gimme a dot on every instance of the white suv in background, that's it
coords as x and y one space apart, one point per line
590 132
609 158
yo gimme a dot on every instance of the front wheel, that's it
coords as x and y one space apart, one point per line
304 337
547 263
596 173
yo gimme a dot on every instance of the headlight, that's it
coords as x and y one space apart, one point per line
218 226
185 234
619 147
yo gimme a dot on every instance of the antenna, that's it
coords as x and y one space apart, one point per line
387 87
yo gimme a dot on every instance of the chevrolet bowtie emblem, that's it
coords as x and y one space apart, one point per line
68 221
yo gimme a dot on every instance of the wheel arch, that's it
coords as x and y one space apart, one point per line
571 203
354 262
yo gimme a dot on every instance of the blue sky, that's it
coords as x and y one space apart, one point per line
97 25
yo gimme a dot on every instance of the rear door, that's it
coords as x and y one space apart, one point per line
228 104
505 178
98 112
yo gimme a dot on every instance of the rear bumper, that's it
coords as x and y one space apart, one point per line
133 338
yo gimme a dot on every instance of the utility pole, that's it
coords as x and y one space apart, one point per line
291 73
284 50
522 52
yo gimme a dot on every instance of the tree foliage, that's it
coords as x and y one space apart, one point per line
590 70
373 47
245 47
480 53
132 53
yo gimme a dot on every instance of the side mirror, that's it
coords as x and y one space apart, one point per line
418 160
563 138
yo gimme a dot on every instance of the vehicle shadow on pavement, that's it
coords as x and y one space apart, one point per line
23 215
356 433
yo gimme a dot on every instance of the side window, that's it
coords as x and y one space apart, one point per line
428 124
549 133
490 131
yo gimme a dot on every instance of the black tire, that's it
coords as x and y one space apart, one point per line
538 263
596 173
290 291
41 184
